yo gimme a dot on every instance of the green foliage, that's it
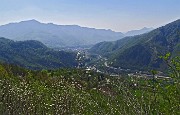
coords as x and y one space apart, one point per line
77 91
34 55
142 51
174 65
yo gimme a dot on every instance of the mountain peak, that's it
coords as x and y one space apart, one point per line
145 28
138 32
54 35
30 21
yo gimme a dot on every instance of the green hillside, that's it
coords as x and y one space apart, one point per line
142 51
34 55
77 91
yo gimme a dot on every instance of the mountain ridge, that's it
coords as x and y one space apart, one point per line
57 35
34 55
143 51
54 35
138 32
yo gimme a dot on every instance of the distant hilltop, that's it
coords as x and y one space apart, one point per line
54 35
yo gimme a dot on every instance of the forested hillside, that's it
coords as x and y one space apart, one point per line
34 55
142 51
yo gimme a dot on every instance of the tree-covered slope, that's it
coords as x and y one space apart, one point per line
142 50
34 55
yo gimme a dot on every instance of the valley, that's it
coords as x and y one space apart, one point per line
133 54
41 73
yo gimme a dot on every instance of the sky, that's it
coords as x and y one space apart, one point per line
117 15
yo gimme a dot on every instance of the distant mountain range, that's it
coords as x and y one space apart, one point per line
54 35
138 32
34 55
57 35
142 51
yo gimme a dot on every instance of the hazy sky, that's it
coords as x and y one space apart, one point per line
118 15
